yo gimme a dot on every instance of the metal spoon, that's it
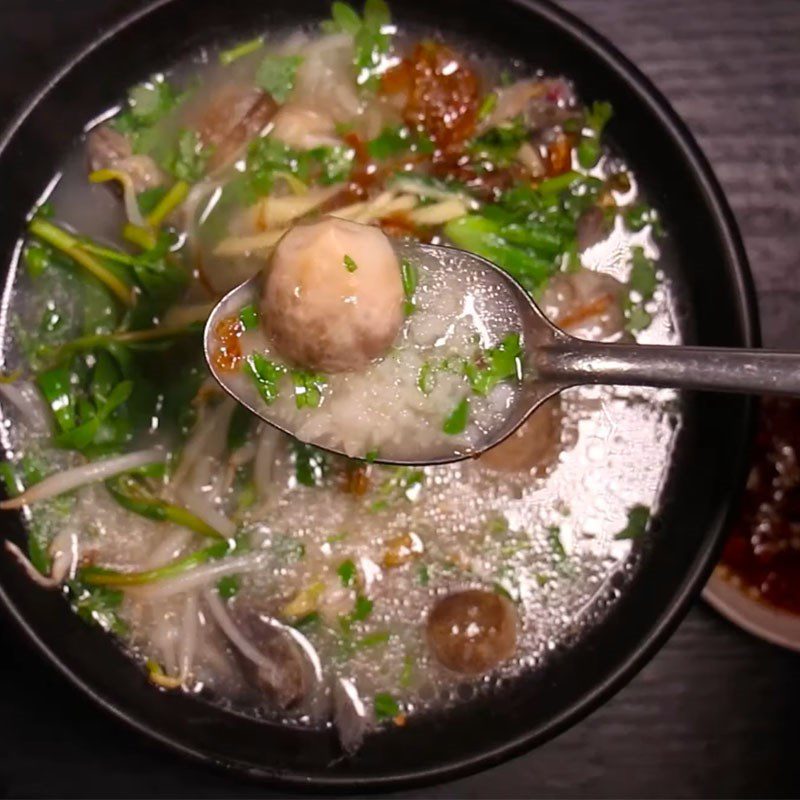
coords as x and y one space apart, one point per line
555 361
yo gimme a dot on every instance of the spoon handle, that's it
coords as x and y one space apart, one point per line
717 369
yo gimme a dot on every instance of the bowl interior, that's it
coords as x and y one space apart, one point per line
715 307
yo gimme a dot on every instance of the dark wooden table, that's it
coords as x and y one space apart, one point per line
716 713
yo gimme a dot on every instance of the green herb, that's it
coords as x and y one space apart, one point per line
238 51
488 105
386 707
495 364
457 421
483 236
345 19
276 75
556 545
371 456
188 162
97 605
310 463
150 198
148 103
333 164
589 149
638 519
133 493
396 141
425 378
69 245
248 316
499 145
170 200
372 640
266 375
640 215
370 34
642 284
423 575
362 610
410 278
558 184
99 576
228 586
308 621
347 572
349 264
308 388
267 158
404 483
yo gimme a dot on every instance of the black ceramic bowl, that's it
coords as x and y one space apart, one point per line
707 462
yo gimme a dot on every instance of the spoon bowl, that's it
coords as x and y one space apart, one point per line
552 361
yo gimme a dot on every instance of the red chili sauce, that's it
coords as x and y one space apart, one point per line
763 549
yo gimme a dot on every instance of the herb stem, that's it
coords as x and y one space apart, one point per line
70 246
168 203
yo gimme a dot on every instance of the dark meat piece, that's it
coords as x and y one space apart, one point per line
534 446
288 679
592 227
472 631
107 148
232 117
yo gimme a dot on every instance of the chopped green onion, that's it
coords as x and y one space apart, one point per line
347 573
248 316
457 421
638 519
266 374
349 264
386 707
228 586
409 276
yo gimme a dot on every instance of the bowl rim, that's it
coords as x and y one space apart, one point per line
667 621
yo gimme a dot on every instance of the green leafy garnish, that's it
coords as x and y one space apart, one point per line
556 545
499 145
276 75
589 149
310 463
404 483
457 421
495 364
396 141
188 162
638 519
360 612
97 605
642 284
349 264
410 277
308 388
248 316
228 586
371 34
347 572
386 707
148 103
423 574
488 104
266 374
